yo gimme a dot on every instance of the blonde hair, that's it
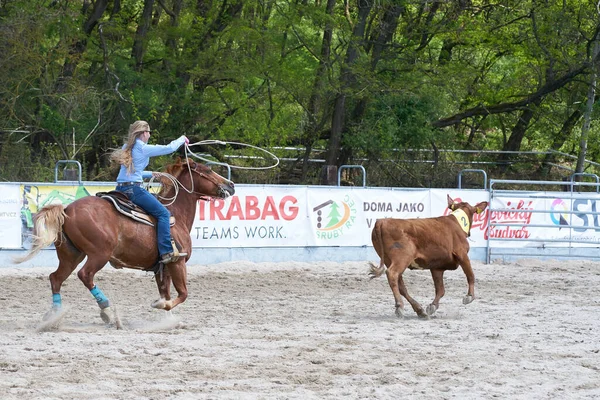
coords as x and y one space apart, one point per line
123 156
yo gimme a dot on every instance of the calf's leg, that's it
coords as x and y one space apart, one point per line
415 304
465 263
394 274
438 282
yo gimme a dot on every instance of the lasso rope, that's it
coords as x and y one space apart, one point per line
177 184
174 182
223 143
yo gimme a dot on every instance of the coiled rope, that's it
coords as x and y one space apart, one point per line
177 184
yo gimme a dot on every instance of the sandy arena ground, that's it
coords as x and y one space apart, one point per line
307 331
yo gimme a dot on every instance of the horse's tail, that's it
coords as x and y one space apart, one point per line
47 229
375 272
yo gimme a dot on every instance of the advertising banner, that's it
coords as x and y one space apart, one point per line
10 217
303 216
34 197
346 217
575 218
253 217
523 223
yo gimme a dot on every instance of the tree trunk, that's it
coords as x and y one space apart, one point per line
138 49
315 103
381 40
346 82
518 134
559 139
80 45
171 42
588 110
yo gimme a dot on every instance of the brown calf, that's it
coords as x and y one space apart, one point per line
437 244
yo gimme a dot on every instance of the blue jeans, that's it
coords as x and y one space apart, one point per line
148 202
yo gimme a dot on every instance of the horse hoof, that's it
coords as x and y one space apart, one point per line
468 299
51 313
106 316
399 312
52 319
431 309
161 304
118 323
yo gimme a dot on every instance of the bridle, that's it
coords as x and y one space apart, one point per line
192 168
209 177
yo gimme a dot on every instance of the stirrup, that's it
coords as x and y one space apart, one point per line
176 252
173 256
169 258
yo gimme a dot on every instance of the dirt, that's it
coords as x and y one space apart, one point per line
306 331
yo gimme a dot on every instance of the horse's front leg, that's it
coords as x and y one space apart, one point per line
163 283
86 275
178 275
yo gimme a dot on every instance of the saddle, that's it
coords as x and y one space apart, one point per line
129 209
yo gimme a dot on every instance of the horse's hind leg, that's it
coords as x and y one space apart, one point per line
68 259
93 264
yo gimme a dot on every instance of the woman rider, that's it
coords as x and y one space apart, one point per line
133 157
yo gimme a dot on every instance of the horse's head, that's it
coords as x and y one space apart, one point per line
204 181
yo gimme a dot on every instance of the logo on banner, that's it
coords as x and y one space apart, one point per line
334 218
516 217
559 215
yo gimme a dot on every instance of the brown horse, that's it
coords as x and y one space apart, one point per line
92 227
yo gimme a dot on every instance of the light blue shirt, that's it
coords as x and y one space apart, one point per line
141 154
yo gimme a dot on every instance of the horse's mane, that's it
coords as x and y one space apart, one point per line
175 169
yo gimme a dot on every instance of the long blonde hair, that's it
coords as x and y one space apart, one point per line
123 156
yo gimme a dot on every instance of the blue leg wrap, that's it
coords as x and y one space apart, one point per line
100 297
56 300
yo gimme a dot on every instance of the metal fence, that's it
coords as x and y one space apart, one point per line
580 188
573 193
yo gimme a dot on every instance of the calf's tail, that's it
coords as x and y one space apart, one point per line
374 271
47 229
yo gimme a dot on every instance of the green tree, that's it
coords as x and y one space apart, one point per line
334 215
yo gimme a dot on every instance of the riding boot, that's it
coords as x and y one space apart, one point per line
172 256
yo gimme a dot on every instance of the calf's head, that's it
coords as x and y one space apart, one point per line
464 212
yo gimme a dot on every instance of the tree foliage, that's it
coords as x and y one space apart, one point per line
342 80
